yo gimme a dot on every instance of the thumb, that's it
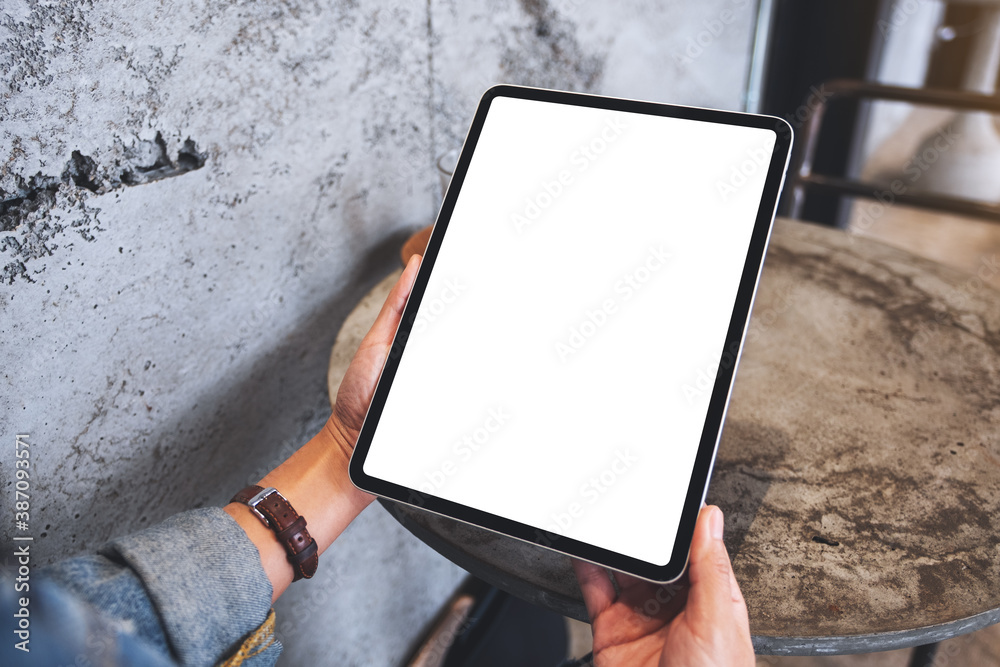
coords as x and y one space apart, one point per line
388 318
381 335
713 591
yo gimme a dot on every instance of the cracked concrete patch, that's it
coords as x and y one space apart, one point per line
29 219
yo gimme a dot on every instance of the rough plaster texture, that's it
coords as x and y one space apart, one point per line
195 194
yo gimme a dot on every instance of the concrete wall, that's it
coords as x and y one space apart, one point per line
195 194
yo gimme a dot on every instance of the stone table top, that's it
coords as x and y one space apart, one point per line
859 467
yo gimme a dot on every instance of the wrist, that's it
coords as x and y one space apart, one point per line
340 438
340 441
316 483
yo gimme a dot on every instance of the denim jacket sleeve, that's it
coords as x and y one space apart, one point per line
189 591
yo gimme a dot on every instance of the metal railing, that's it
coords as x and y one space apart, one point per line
803 178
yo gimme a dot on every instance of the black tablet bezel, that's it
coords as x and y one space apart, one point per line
729 357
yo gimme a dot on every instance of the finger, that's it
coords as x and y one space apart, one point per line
596 587
650 600
711 596
626 580
405 282
385 325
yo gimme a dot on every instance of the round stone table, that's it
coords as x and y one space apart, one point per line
859 468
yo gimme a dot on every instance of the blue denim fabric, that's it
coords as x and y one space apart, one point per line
187 591
65 631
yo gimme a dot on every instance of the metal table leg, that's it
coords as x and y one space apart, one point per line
923 656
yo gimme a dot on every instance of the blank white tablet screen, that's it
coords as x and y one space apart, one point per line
556 373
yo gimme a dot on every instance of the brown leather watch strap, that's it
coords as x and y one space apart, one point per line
290 528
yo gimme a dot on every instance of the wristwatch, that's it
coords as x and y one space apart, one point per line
278 514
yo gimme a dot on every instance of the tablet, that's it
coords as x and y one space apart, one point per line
564 361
